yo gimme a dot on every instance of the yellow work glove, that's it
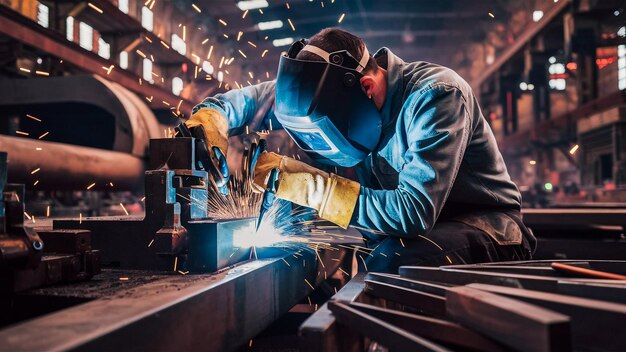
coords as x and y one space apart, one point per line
215 127
333 196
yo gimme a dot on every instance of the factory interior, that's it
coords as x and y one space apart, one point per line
306 175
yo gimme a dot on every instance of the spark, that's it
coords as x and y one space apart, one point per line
264 52
96 8
205 41
22 133
239 35
574 149
223 22
195 7
225 35
48 211
291 24
142 199
38 148
287 5
33 117
431 241
123 208
42 73
35 171
245 13
140 53
267 74
24 70
91 185
251 75
343 271
165 44
110 69
184 33
362 260
123 279
28 216
401 242
210 52
341 17
148 39
286 262
175 262
491 15
308 283
80 218
151 242
449 260
252 44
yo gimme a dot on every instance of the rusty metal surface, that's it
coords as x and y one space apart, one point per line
215 312
80 166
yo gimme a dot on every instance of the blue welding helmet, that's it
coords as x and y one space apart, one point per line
323 108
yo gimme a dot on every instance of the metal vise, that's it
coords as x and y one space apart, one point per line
176 232
29 259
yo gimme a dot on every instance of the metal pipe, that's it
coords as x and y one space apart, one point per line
70 167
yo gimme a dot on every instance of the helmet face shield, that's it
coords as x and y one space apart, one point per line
323 108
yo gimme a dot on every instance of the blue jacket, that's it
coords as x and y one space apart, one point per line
436 150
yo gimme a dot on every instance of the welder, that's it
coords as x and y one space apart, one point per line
432 187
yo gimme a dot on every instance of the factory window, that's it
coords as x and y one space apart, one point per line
123 5
147 18
621 67
124 60
69 28
85 36
104 49
178 44
177 85
208 68
557 75
43 15
147 70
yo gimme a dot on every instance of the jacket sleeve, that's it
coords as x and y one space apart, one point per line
242 106
437 128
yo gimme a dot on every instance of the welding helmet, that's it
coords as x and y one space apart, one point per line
323 108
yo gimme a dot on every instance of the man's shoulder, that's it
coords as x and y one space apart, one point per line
421 76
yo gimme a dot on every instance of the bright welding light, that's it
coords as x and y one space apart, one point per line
282 42
267 236
270 25
252 4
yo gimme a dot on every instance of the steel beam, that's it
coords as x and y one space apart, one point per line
70 167
218 312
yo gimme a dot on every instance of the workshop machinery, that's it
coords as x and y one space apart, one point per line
540 305
173 279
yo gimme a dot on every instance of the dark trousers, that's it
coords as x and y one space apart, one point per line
448 243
